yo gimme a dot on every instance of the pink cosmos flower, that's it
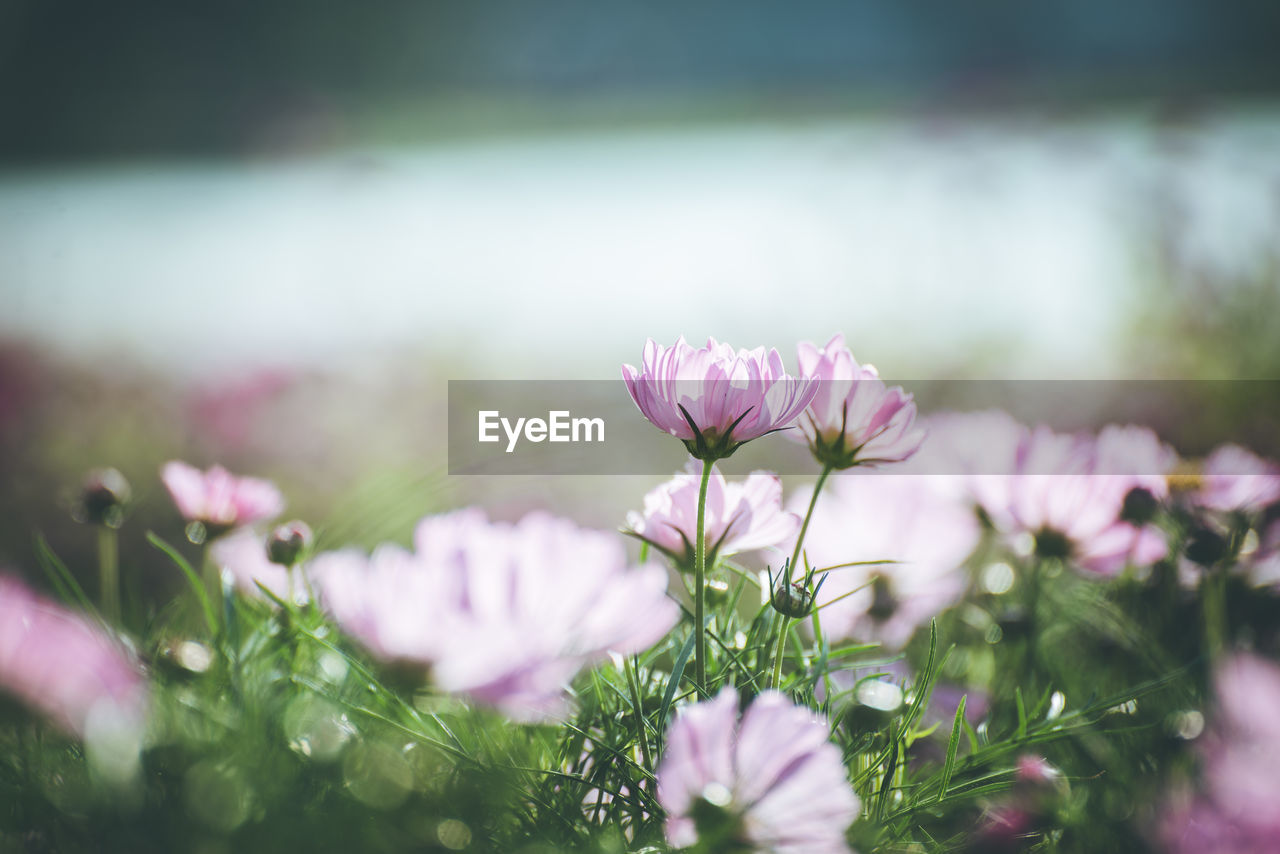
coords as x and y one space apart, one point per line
770 782
715 398
505 614
1071 494
1237 479
920 530
63 665
969 443
1236 807
243 554
977 451
854 418
218 498
1079 496
740 517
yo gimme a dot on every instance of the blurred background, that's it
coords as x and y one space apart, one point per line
266 234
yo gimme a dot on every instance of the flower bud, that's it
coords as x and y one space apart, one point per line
1139 506
791 599
288 541
1206 546
883 603
103 497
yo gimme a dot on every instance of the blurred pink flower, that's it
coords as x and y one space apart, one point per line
1036 771
65 666
715 398
1071 496
975 451
243 554
1235 478
219 498
969 443
854 418
1005 829
921 530
1236 807
740 516
506 614
770 782
229 411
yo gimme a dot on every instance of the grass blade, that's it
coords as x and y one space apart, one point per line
63 581
952 746
1022 713
193 578
677 673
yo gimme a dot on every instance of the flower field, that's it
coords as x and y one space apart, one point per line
957 632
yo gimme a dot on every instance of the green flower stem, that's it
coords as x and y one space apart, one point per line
1033 622
213 582
699 583
795 558
1213 601
109 573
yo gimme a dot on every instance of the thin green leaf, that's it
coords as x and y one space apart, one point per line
193 579
677 673
952 746
63 581
1022 713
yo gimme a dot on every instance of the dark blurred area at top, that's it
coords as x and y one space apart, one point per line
139 78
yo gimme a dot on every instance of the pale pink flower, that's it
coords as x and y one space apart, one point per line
1077 495
218 498
911 533
243 555
1137 454
715 398
771 781
65 666
854 418
739 517
388 600
1236 807
1069 492
505 614
976 452
1035 770
985 442
229 412
1235 478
